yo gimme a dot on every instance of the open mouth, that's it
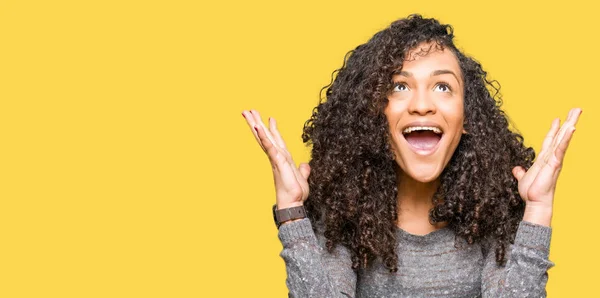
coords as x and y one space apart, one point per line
423 139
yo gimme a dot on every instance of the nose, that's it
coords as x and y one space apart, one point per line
421 104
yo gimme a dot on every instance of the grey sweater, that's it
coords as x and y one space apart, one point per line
428 266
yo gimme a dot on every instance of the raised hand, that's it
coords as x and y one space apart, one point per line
537 185
291 183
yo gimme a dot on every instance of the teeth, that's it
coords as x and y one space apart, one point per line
414 128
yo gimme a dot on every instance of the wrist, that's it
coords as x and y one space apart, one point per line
291 220
541 215
285 205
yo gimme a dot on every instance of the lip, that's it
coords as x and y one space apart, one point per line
422 123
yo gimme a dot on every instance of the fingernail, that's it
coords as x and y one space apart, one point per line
256 129
244 115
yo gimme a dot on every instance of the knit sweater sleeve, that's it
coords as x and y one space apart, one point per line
525 273
311 270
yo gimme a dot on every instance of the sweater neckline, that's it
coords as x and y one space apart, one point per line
429 237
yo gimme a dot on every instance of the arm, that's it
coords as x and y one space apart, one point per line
525 273
311 270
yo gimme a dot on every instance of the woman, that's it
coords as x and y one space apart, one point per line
418 187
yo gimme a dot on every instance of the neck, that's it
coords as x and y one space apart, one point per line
414 202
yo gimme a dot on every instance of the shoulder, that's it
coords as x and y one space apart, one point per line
338 248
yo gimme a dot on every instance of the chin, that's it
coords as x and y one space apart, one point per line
422 173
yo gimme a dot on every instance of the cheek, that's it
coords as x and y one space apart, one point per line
391 123
455 117
390 117
453 112
394 110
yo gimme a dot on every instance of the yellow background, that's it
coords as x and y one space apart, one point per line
126 169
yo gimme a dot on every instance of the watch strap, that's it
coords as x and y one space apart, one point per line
286 214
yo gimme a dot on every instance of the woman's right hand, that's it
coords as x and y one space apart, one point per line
291 183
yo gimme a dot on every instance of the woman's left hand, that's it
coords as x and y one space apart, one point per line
537 185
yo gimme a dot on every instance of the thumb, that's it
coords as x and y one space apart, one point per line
518 172
304 169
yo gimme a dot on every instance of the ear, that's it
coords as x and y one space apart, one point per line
465 132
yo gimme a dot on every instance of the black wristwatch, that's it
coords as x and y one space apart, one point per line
282 215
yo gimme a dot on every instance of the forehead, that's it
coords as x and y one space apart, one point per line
428 57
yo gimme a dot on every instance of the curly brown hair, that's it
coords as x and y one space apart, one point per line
353 182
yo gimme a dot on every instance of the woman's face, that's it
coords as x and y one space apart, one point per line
425 112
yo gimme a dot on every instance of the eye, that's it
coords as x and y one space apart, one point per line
399 87
443 87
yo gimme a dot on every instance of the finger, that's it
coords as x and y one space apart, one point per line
278 160
576 113
275 132
250 121
284 173
304 169
518 172
567 126
550 136
259 121
554 160
546 145
561 150
282 153
545 181
277 136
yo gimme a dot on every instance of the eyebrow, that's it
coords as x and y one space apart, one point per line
434 73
